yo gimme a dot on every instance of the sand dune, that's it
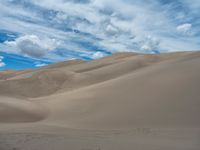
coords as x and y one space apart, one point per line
125 101
17 110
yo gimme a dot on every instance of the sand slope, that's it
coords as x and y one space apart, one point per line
18 110
136 101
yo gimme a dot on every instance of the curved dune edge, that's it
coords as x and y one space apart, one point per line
142 102
14 110
72 75
120 91
162 95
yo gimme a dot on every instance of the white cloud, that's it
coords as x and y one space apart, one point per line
98 55
150 43
40 65
111 25
2 64
184 28
111 30
34 46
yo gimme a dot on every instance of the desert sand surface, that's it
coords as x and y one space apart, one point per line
126 101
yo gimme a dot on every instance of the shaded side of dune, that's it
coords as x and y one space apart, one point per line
126 90
67 76
162 95
13 110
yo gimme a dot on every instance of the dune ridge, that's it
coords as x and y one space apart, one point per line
111 97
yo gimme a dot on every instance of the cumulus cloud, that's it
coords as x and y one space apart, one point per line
184 28
98 55
2 64
84 26
34 46
39 64
150 44
111 30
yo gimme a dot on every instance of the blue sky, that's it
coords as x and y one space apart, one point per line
34 33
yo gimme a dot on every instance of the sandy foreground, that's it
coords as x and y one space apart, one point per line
126 101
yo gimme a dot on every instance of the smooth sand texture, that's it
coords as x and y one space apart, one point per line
122 102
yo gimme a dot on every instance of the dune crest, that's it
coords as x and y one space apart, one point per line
137 101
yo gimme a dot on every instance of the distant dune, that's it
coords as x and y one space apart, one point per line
126 101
